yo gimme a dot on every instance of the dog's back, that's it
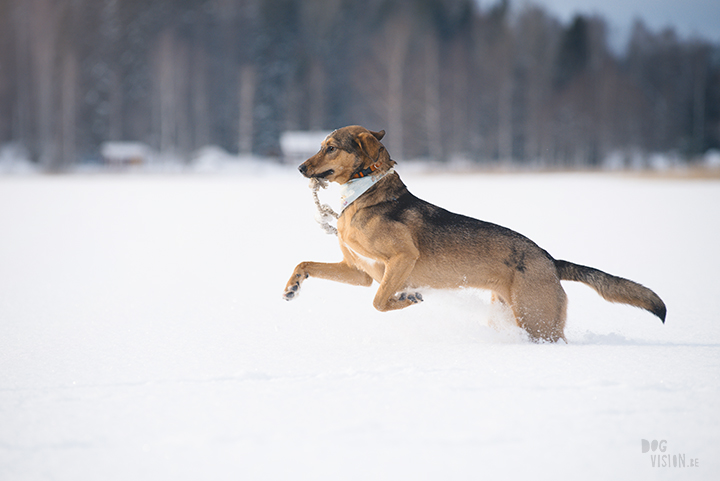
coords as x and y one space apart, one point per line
459 251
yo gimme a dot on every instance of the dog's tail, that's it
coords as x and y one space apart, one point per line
612 288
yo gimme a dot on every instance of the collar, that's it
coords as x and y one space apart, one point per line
357 186
365 172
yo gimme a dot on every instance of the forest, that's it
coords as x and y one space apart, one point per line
487 82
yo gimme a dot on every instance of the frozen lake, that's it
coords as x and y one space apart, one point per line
143 335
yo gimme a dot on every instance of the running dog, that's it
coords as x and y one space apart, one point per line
390 236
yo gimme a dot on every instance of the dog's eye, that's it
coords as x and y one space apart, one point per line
330 149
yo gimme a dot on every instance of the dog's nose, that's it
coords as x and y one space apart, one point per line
302 169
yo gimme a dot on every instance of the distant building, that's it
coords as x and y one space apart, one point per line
125 153
298 145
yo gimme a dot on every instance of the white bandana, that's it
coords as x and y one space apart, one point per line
354 188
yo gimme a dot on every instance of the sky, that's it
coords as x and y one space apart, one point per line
690 18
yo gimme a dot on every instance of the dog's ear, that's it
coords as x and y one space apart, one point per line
378 135
370 144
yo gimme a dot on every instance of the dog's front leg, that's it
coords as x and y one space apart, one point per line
340 272
397 271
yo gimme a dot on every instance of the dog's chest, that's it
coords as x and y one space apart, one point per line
373 267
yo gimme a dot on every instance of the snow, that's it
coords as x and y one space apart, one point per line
143 336
712 159
15 159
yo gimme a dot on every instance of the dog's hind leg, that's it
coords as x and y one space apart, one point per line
540 309
340 272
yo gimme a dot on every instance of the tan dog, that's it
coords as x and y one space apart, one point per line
388 235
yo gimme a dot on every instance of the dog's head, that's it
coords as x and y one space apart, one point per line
346 153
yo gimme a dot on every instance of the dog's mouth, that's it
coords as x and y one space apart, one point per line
322 175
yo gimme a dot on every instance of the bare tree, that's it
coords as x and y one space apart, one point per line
68 108
699 63
200 101
398 40
43 38
247 103
432 97
164 92
22 110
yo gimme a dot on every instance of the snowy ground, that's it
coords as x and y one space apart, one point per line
143 336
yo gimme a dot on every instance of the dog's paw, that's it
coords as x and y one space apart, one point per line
293 286
291 292
414 298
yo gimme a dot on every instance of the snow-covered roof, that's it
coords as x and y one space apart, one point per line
302 143
124 150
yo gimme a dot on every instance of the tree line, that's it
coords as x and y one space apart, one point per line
446 78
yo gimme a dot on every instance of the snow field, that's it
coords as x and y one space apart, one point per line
143 335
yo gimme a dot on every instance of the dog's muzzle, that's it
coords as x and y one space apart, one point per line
304 171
